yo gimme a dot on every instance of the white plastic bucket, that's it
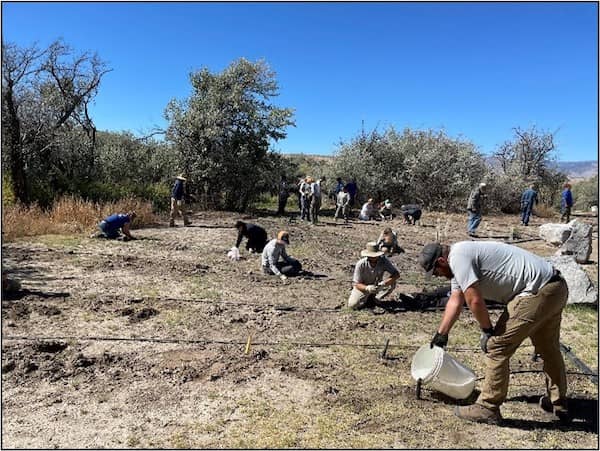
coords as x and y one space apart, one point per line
436 368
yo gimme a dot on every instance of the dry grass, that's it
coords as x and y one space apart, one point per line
68 215
544 211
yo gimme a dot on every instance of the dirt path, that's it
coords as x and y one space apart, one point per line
146 345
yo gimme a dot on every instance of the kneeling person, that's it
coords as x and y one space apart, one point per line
388 242
111 226
368 283
273 252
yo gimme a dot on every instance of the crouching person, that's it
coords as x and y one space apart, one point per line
276 261
256 235
368 283
111 226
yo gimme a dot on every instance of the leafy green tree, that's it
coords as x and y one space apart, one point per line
425 167
223 132
45 95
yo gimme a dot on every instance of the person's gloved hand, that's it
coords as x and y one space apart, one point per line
484 337
440 340
381 284
370 289
283 277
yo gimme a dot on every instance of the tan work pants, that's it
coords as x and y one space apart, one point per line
359 299
177 208
537 317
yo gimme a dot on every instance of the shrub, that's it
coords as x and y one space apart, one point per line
585 193
8 194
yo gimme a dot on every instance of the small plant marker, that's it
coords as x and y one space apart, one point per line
387 342
248 344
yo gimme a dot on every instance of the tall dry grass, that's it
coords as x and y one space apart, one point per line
69 215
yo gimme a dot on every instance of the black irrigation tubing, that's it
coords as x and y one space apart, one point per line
578 363
385 345
224 342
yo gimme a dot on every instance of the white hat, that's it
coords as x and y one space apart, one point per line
181 177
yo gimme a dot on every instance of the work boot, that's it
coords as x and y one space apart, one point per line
478 414
171 223
187 223
561 412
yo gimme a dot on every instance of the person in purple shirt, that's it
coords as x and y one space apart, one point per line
112 226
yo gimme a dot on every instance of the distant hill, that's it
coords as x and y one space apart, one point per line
578 169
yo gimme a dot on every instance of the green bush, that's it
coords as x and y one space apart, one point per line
585 193
8 194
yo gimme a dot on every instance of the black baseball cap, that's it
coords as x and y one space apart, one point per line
430 253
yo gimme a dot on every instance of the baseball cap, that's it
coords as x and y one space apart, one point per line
430 253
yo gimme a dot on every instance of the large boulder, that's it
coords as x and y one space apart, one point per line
555 234
579 243
581 288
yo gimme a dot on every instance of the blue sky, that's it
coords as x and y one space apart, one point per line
475 70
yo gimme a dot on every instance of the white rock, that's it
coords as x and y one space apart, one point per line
581 288
555 234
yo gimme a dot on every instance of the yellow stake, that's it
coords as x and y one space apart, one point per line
248 344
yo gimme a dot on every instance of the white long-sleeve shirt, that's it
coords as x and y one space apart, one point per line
271 254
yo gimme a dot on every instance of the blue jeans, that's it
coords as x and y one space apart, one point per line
107 231
526 213
473 222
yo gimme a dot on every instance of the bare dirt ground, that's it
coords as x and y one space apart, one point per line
163 342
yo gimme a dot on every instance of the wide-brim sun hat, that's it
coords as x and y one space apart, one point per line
371 250
181 177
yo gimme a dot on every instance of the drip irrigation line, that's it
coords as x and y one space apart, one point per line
189 341
385 345
578 363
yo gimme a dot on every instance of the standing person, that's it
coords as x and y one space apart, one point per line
256 236
284 193
339 186
368 282
528 199
352 190
475 208
305 198
315 203
276 261
342 204
535 295
111 226
566 202
177 206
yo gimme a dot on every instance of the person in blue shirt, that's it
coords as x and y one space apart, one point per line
177 202
528 199
112 226
566 202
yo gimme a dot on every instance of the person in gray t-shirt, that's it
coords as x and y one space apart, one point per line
368 283
535 295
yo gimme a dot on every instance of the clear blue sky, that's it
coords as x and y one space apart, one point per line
474 69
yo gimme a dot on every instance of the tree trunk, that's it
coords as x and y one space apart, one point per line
12 131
